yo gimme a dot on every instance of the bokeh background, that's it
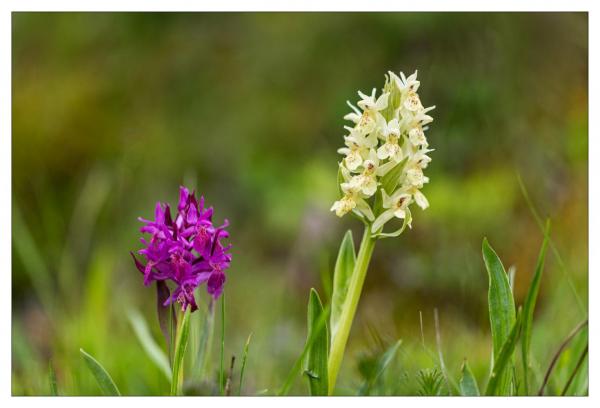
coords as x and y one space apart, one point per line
112 112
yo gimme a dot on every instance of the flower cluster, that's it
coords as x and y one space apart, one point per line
387 140
186 250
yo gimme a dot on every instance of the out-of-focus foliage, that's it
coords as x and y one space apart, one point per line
111 112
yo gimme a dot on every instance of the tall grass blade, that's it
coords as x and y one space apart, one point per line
529 307
502 360
501 309
316 357
575 370
32 259
381 365
244 358
52 380
344 266
561 263
180 347
468 383
140 328
104 380
558 353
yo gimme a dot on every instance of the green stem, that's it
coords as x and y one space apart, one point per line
338 346
221 370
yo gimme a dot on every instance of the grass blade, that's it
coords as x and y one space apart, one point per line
502 360
529 307
501 307
104 380
52 380
180 346
244 357
561 263
344 266
558 353
316 357
380 366
575 370
468 383
158 357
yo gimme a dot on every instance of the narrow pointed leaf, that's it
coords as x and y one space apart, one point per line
316 358
180 347
344 266
52 380
468 384
104 380
529 307
158 357
501 307
244 358
380 366
503 359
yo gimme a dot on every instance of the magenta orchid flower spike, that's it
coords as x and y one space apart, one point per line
186 250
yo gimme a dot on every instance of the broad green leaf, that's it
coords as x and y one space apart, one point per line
502 360
180 346
315 366
501 306
295 370
344 266
244 357
106 383
468 383
52 380
529 307
158 357
380 366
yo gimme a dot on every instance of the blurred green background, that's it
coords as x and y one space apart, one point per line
112 112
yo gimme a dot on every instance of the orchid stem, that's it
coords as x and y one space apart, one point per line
349 309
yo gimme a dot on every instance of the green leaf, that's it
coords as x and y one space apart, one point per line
502 360
52 380
180 346
344 266
294 371
316 357
106 383
390 180
468 384
158 357
244 357
529 307
501 306
380 366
